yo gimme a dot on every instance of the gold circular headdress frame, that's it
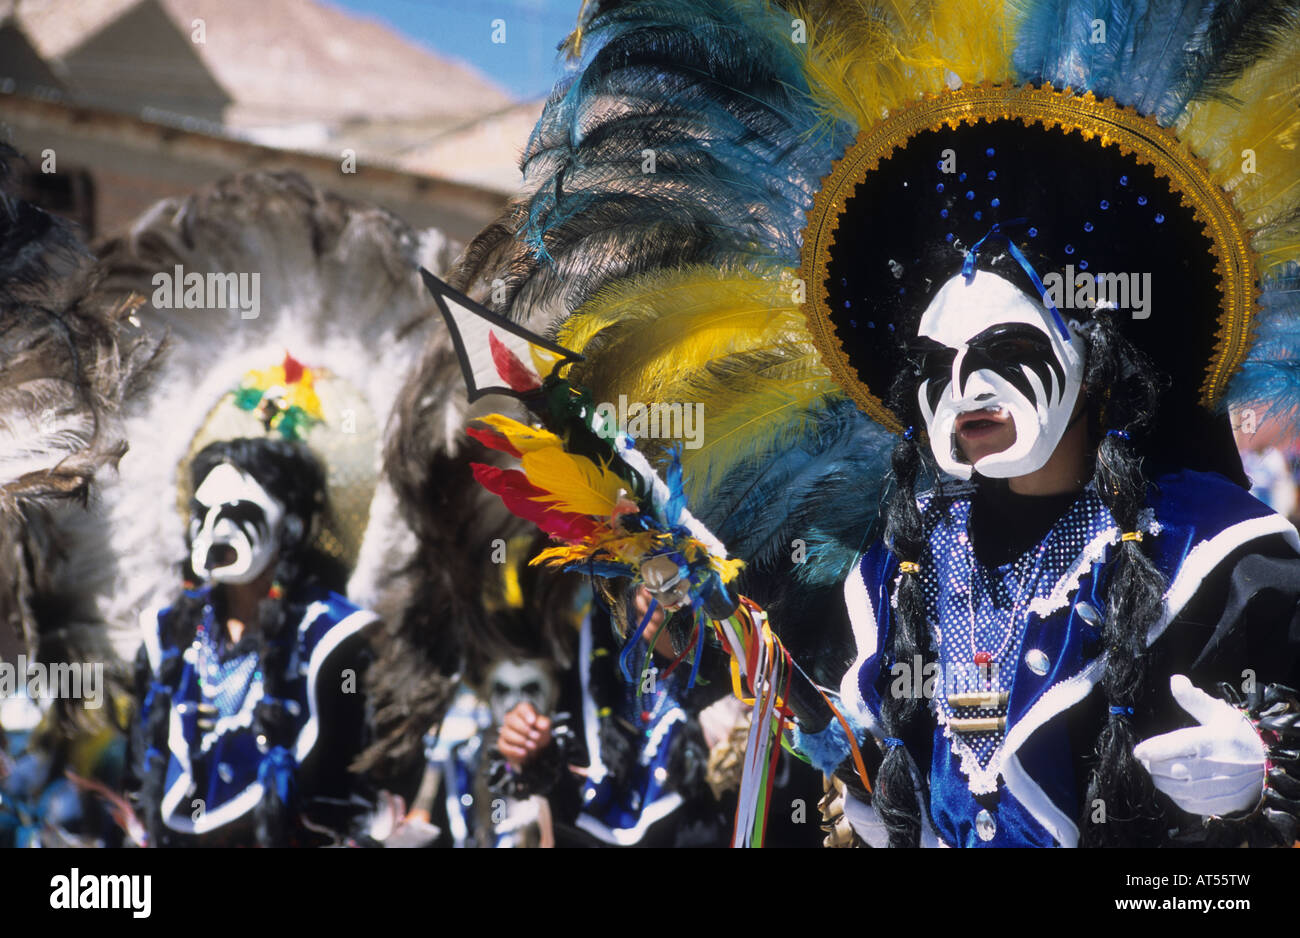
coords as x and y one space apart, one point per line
1134 134
347 443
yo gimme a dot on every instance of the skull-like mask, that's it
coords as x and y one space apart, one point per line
510 683
991 349
234 527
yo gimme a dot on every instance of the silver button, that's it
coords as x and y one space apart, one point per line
985 826
1088 613
661 774
1037 661
226 772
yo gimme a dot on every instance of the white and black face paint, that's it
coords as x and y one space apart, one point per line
234 527
991 347
510 683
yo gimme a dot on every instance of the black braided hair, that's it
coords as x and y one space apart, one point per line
1120 416
905 534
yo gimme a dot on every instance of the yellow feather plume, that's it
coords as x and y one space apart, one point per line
866 58
640 335
1265 181
544 360
573 483
734 341
522 437
562 555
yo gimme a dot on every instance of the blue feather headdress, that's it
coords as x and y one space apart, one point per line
685 161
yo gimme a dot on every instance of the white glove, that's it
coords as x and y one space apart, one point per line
1216 768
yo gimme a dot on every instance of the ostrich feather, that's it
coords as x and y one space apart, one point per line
640 336
714 94
1159 56
339 287
1269 379
66 360
1251 151
864 60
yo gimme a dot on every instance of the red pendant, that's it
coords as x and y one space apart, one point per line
645 716
983 658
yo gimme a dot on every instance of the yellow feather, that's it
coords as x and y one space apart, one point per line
561 555
866 58
573 483
1265 186
544 360
739 424
522 437
640 335
734 342
728 569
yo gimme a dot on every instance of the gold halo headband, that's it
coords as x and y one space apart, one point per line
1135 135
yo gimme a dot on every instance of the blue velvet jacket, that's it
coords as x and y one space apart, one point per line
1199 520
213 774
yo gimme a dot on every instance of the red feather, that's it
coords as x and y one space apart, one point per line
292 369
493 439
516 375
519 495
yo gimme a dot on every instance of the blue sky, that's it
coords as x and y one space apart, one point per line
526 64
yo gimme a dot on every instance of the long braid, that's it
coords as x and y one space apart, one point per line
155 692
1118 784
297 571
905 533
277 618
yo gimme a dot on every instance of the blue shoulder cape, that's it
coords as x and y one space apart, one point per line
1200 517
212 773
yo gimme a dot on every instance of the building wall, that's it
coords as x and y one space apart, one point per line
133 164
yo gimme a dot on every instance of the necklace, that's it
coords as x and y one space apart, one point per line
986 658
989 694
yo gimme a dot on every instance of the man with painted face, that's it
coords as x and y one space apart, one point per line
1070 569
1001 383
251 709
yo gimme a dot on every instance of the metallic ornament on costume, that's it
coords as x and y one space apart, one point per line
1037 661
985 826
1055 112
234 527
328 415
1089 614
994 349
666 581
